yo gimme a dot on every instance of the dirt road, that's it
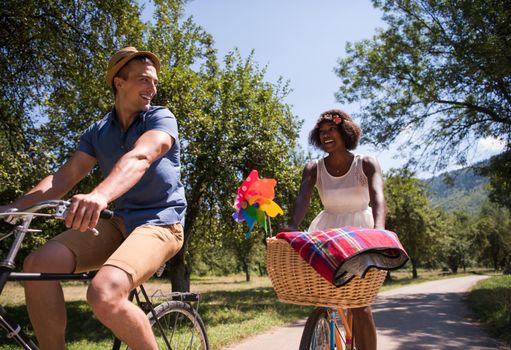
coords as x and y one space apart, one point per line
430 315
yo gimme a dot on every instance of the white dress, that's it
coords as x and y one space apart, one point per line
345 198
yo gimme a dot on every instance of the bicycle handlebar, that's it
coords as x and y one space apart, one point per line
106 214
60 207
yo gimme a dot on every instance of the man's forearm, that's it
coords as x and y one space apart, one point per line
130 168
48 188
125 174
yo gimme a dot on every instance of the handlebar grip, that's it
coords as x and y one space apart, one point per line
106 214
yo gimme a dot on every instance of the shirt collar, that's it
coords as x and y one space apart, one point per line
140 117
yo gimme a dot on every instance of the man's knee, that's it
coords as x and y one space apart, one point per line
52 257
107 290
98 297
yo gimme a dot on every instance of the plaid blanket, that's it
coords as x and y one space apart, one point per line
340 254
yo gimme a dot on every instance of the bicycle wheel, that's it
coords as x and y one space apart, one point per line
317 332
180 325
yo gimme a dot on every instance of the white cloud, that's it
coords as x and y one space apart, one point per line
490 146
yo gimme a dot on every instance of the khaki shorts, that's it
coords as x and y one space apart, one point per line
140 253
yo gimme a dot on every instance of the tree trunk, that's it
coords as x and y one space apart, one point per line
388 278
414 269
179 273
246 268
262 269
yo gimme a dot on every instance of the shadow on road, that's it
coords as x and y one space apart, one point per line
428 321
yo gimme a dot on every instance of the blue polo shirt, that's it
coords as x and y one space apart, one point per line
158 198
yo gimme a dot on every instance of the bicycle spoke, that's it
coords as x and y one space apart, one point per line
317 334
181 326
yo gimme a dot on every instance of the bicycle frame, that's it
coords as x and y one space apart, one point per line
339 323
7 273
14 329
7 266
347 323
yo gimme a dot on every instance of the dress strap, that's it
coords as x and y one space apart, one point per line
319 165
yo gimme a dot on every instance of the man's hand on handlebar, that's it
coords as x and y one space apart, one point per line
84 212
7 209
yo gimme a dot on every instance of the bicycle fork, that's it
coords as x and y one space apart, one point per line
336 341
14 331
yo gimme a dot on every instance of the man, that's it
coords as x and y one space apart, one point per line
137 148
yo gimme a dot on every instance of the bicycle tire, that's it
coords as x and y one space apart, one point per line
182 326
316 333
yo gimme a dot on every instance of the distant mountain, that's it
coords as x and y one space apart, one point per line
461 189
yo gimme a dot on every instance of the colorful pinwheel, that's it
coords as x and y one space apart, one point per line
254 200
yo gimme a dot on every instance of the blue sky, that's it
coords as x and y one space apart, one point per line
301 41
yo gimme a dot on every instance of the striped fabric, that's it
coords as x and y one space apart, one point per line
340 254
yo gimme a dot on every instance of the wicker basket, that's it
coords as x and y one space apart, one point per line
295 282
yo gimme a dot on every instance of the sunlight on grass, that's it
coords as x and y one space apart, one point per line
491 301
231 308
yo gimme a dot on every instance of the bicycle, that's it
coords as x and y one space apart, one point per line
175 322
330 324
328 328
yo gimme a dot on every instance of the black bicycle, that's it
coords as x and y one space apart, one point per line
175 321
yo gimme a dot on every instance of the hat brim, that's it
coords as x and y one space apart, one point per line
123 61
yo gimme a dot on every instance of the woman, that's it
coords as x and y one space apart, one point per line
347 184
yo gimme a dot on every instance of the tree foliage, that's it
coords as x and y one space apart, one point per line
410 215
435 237
499 173
494 234
52 54
439 74
457 246
231 120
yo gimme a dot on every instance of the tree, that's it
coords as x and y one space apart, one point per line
499 173
243 125
457 241
52 56
494 233
439 74
231 121
409 215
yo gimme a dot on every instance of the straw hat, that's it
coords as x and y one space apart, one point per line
122 57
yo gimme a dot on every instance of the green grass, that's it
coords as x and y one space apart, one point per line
491 302
232 315
231 308
84 330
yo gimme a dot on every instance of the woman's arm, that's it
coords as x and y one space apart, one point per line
376 197
303 199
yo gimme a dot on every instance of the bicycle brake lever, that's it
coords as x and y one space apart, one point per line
61 211
94 231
